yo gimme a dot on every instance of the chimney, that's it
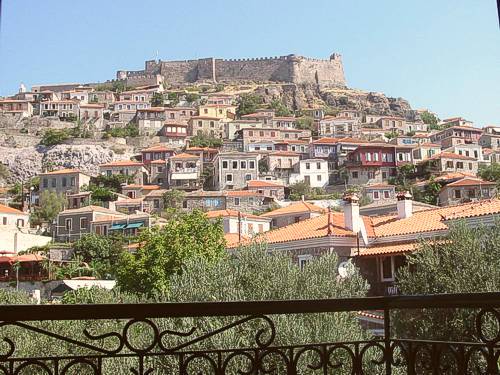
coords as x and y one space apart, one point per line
352 220
405 204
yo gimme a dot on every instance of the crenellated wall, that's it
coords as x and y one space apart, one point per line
289 69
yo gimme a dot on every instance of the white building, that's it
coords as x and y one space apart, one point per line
313 172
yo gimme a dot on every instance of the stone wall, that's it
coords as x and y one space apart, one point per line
289 69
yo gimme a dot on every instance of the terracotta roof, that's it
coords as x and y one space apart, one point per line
252 184
157 148
316 227
122 163
204 118
326 140
152 109
295 208
428 145
233 240
392 248
379 186
89 209
62 171
468 181
450 155
242 193
159 161
9 210
201 149
233 213
143 187
126 202
184 156
433 219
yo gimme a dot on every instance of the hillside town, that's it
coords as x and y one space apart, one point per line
306 181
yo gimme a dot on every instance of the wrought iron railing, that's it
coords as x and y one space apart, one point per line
102 339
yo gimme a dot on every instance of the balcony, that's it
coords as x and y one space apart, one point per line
180 338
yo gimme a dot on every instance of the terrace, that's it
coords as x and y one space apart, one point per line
178 338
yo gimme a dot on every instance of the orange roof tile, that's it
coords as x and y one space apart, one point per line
157 148
326 140
242 193
122 163
294 208
159 161
392 248
233 240
62 171
468 181
9 210
450 155
143 187
252 184
184 156
316 227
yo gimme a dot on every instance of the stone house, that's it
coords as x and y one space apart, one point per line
71 224
226 99
234 169
206 125
313 172
63 181
469 149
371 163
150 120
392 124
125 110
247 201
293 213
467 189
204 200
457 135
282 160
265 117
298 146
448 162
179 114
60 108
106 98
184 172
380 192
156 152
456 121
332 126
93 114
232 127
158 173
127 168
490 137
128 225
154 200
13 218
16 107
269 189
138 191
259 146
139 95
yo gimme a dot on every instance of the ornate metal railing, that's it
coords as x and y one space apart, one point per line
178 338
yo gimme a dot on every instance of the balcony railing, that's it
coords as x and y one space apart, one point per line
177 339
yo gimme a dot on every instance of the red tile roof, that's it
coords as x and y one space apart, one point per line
295 208
9 210
122 163
450 155
253 184
468 181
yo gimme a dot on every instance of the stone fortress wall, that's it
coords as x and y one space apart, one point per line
286 69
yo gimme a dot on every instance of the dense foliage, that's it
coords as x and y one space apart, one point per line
157 99
280 109
50 205
431 120
490 172
52 137
130 130
248 103
205 140
164 251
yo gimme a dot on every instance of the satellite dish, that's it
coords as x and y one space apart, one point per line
346 269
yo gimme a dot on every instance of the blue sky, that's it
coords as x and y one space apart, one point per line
439 54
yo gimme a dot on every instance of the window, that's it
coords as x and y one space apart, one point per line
261 228
235 164
470 166
205 110
308 165
67 224
248 177
458 194
354 174
371 174
64 182
20 222
387 269
45 183
460 165
318 165
156 203
184 204
368 156
4 220
84 222
449 164
384 175
212 124
54 182
250 228
471 193
251 164
236 201
376 195
243 164
229 177
303 260
318 177
375 156
73 181
224 164
386 194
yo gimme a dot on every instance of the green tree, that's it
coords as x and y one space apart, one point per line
467 260
204 140
164 252
429 194
102 253
299 189
306 123
130 130
157 99
248 103
280 109
4 171
490 172
173 198
53 137
173 99
192 97
51 204
429 118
